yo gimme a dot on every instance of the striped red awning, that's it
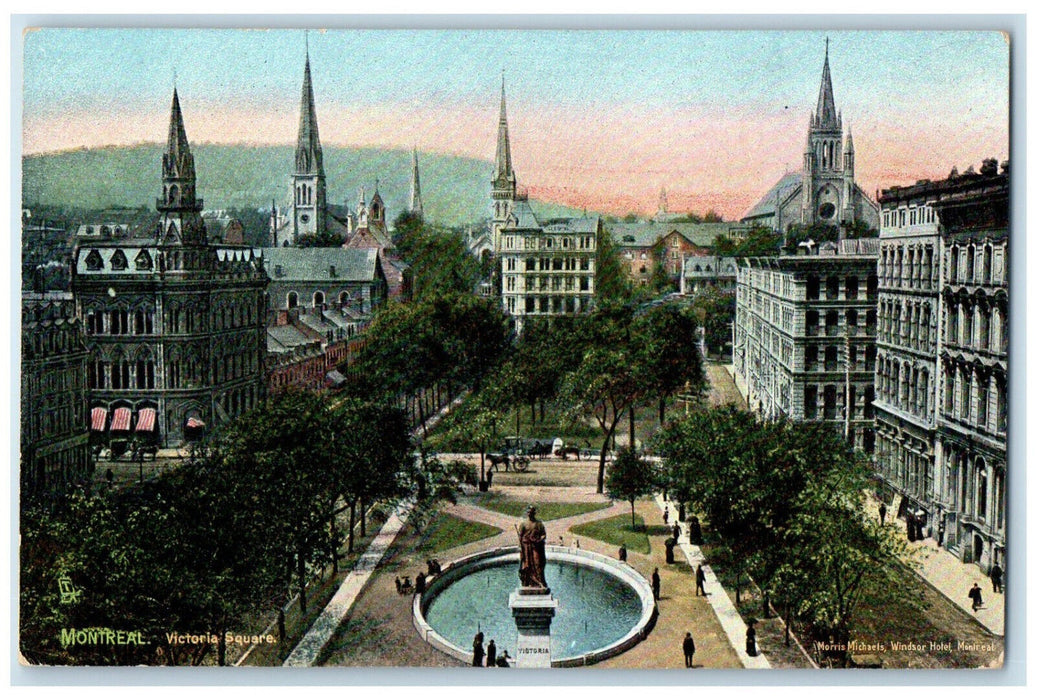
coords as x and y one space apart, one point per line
98 417
121 419
195 423
146 420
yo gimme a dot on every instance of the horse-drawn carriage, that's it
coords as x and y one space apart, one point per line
517 453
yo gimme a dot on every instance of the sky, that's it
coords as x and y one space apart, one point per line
598 119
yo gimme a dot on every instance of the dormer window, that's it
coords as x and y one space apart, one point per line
93 261
331 271
119 261
143 260
279 270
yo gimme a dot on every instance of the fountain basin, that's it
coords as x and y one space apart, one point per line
604 605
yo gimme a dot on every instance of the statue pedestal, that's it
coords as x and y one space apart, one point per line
533 609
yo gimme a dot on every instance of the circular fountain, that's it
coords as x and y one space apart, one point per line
604 606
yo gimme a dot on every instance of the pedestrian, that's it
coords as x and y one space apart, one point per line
477 650
910 518
677 531
491 654
681 513
996 572
656 582
700 581
502 660
977 597
576 543
750 638
109 476
419 583
666 515
623 552
882 513
689 650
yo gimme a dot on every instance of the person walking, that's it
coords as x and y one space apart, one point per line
677 531
882 513
622 552
700 581
996 572
750 638
977 597
666 515
477 650
491 654
689 650
656 583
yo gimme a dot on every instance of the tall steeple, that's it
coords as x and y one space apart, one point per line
415 186
826 117
308 183
503 183
503 170
180 208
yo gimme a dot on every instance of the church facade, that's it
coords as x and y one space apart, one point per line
824 191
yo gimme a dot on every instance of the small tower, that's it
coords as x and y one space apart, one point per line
503 183
309 189
181 222
376 210
416 207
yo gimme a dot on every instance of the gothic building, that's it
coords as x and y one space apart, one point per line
942 404
824 191
55 448
416 207
504 185
175 325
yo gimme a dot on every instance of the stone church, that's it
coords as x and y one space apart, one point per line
824 191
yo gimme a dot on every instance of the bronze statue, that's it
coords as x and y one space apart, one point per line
532 537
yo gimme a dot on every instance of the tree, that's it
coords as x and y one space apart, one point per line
715 309
611 283
630 478
668 359
604 384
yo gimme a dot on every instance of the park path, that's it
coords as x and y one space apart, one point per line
725 610
309 648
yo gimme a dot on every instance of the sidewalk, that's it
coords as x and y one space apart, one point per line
726 612
317 637
951 577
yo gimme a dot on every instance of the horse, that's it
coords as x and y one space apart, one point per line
498 459
567 450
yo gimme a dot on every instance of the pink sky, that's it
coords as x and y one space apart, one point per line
613 162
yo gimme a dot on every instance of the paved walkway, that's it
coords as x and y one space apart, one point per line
317 637
726 612
951 576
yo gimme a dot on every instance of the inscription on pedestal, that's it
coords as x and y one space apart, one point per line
533 611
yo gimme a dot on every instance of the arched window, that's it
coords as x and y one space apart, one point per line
318 299
988 261
293 300
832 288
851 287
343 298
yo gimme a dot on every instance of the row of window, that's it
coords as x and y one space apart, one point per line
832 326
904 466
850 287
318 299
47 342
176 320
550 304
836 360
964 268
908 324
904 386
542 242
143 261
832 407
908 216
973 324
974 396
977 489
908 266
546 283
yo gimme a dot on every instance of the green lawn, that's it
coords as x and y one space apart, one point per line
446 532
545 511
616 530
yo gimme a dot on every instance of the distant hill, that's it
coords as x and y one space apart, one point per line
455 191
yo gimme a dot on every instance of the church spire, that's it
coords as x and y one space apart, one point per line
309 158
415 186
181 220
503 162
826 116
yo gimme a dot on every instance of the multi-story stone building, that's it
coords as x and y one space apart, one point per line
350 278
707 272
55 449
943 371
547 269
804 336
175 326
